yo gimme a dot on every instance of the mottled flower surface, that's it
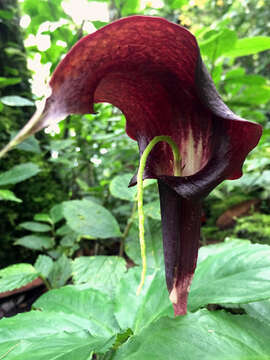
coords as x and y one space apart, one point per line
152 71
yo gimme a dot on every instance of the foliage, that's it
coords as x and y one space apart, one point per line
81 319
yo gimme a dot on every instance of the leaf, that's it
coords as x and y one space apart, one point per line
90 219
16 276
8 195
56 213
218 43
259 310
136 312
87 304
99 272
16 101
43 217
35 226
8 81
249 46
153 243
31 145
203 335
119 188
43 265
19 173
152 210
7 15
60 272
49 335
235 275
35 242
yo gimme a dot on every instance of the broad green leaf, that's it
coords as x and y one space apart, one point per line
153 243
87 304
16 276
249 46
43 217
49 335
19 173
119 187
259 310
43 265
8 81
152 210
31 145
56 213
129 7
5 14
16 101
90 220
236 275
203 335
35 242
176 4
8 195
137 311
60 272
99 272
218 43
69 239
227 245
35 226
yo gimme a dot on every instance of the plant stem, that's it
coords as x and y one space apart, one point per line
176 171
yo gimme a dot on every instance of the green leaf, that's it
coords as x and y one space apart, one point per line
49 335
236 275
8 195
87 304
249 46
129 7
43 265
152 210
90 219
19 173
99 272
16 101
5 14
56 213
43 217
35 226
35 242
136 312
176 4
16 276
8 81
61 272
31 145
218 43
203 335
153 242
259 310
119 188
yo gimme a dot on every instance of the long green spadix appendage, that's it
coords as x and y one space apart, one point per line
176 172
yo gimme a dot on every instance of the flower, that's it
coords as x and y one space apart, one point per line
152 71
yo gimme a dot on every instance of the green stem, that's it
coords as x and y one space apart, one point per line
176 172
